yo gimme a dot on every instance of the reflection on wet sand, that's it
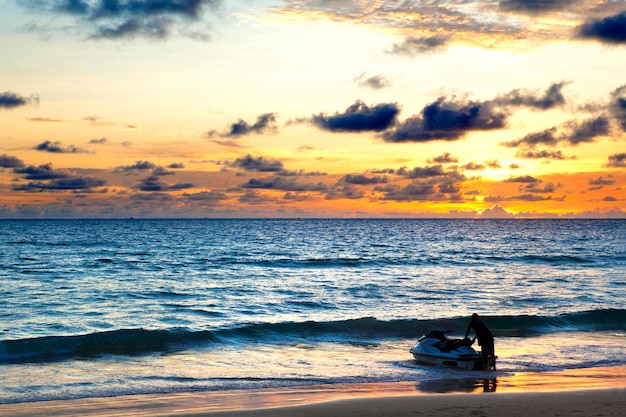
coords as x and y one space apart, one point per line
466 385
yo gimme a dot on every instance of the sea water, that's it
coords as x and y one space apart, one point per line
111 307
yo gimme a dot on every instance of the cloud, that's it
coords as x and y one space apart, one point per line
45 120
419 45
122 19
11 100
415 191
496 212
523 179
588 130
546 137
283 184
375 82
100 141
55 147
425 24
359 117
611 29
572 133
535 6
617 160
254 197
473 166
137 166
257 164
8 161
153 183
41 172
46 178
601 181
551 98
544 154
422 172
447 119
446 158
264 123
548 187
207 196
617 106
362 180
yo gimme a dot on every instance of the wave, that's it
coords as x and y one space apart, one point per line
363 330
420 259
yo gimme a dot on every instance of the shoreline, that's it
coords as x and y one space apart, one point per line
586 391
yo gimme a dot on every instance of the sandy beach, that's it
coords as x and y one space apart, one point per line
586 392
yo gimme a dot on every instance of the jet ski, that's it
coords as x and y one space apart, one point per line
434 348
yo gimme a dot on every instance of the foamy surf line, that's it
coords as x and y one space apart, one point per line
547 393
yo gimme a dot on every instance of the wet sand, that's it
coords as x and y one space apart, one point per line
585 392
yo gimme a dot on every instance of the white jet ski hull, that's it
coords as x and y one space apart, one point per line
435 349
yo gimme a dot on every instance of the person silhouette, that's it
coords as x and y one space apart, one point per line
484 336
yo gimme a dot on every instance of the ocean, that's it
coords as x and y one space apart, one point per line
96 308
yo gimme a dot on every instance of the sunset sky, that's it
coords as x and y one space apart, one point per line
312 108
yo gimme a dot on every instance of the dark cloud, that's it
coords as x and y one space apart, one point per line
523 179
429 183
176 165
153 183
264 123
63 184
611 29
422 172
415 191
548 187
535 6
359 117
283 184
8 161
55 147
137 166
600 181
421 191
446 158
100 141
546 137
10 100
572 133
447 119
375 82
207 196
552 97
473 166
525 197
617 106
258 164
588 130
617 160
41 172
161 172
544 154
419 45
116 19
347 191
493 163
254 197
362 180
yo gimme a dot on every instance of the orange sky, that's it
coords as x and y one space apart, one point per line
312 108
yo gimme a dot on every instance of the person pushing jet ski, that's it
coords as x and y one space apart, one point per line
484 336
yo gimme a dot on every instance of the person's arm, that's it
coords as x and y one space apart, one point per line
469 326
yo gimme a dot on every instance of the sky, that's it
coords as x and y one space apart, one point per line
312 108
